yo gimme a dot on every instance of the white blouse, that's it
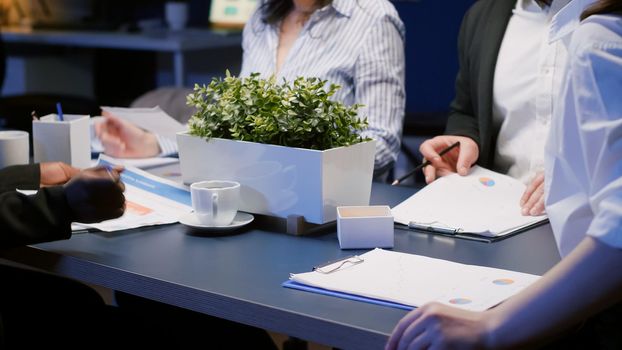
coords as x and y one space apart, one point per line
584 150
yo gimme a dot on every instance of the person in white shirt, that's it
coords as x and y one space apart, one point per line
358 45
583 166
504 95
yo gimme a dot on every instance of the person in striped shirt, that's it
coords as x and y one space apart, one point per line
358 45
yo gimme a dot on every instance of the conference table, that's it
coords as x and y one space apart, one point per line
238 276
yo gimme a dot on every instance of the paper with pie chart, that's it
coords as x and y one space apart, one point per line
415 280
484 203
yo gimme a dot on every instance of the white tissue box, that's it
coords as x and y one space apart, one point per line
362 227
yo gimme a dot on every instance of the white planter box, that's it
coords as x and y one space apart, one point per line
282 181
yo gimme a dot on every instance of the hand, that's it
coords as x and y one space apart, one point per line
96 194
123 139
457 160
438 326
532 201
56 173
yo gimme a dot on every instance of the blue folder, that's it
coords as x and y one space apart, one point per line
295 285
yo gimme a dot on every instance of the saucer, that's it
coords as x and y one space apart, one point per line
241 218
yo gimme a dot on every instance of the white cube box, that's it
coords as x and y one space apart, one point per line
362 227
66 141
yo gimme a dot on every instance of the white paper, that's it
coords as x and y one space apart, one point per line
150 200
483 202
144 163
151 119
416 280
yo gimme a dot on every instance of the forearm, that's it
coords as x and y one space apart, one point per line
25 177
582 284
42 217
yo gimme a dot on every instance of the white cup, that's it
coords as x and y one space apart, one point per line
14 148
215 203
176 15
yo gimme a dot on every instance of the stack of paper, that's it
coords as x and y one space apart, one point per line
149 200
484 202
415 280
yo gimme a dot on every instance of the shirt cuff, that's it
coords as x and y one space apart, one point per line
168 147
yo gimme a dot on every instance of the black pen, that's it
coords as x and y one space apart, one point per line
424 164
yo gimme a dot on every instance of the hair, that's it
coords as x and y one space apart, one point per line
601 7
275 10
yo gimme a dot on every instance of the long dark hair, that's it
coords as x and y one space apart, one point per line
603 6
275 10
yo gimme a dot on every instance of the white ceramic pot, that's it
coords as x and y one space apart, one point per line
281 181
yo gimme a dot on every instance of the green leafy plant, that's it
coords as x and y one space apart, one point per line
298 114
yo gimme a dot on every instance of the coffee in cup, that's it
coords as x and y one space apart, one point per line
215 202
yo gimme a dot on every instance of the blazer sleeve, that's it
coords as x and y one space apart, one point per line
42 217
462 120
24 177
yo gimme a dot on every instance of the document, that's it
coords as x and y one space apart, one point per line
483 203
151 119
415 280
149 200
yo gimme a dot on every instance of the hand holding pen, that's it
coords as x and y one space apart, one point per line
425 164
443 156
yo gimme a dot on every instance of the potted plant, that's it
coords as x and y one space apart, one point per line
293 149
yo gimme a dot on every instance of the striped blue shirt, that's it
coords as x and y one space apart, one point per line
358 45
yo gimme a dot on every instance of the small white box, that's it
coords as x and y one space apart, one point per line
361 227
66 141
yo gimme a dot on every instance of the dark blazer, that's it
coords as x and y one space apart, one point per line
481 33
33 219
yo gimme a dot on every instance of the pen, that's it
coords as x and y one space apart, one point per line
424 164
59 111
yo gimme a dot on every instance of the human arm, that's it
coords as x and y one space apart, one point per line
92 195
379 86
33 176
123 139
535 314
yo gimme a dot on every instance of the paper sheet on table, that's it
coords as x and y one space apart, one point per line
483 202
143 163
150 200
416 280
151 119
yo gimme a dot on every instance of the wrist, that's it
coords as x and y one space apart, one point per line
152 145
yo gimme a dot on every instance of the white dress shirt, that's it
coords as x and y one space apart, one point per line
358 45
528 77
584 152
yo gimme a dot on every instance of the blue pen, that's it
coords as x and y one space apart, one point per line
59 111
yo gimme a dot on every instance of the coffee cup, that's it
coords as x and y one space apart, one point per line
215 202
14 148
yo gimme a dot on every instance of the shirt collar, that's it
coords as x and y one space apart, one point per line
567 19
543 3
344 7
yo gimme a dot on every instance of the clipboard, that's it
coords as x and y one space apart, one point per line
481 206
294 285
406 281
457 233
